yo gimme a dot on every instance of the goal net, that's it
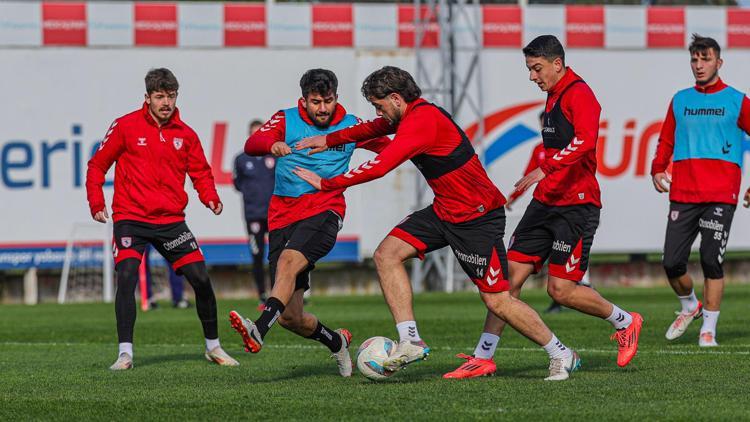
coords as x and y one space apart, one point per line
87 268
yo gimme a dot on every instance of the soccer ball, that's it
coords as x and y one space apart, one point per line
371 355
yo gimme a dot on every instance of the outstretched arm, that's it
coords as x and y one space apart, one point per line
413 138
361 132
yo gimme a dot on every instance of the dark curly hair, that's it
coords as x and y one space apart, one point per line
319 81
389 80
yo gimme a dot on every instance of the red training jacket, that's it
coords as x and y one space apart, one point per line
150 173
461 195
699 180
571 172
284 210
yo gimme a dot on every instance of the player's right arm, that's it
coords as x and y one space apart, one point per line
532 165
112 146
269 139
360 133
664 151
414 137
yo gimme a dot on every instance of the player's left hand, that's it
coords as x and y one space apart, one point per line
308 176
534 177
315 143
217 208
746 202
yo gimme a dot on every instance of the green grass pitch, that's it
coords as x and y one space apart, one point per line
54 360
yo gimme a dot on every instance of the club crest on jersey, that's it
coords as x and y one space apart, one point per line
126 241
177 143
141 142
674 215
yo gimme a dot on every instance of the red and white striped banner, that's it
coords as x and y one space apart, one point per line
352 25
64 23
584 26
245 25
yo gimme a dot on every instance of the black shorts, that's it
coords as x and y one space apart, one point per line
313 237
561 234
477 244
174 241
713 221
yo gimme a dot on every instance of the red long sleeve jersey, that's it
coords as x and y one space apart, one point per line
284 210
152 162
537 156
699 180
571 171
461 195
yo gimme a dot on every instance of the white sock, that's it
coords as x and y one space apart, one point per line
555 349
407 331
689 302
212 344
486 347
710 318
125 348
619 318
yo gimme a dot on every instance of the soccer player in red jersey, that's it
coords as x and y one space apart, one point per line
560 222
303 222
467 213
703 133
154 150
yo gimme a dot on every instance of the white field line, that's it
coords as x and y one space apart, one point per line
672 350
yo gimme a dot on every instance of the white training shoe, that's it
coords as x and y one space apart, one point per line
680 325
343 360
123 362
406 352
707 339
560 368
219 356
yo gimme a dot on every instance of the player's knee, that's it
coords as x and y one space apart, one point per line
198 279
384 256
498 303
712 268
379 257
127 272
560 292
674 269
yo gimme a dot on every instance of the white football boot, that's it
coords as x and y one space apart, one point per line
560 368
123 362
683 320
343 360
220 357
406 352
707 339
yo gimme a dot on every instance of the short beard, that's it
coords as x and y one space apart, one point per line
708 81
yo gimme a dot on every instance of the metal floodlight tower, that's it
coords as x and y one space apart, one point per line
449 75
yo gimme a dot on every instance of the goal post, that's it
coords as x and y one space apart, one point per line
87 273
